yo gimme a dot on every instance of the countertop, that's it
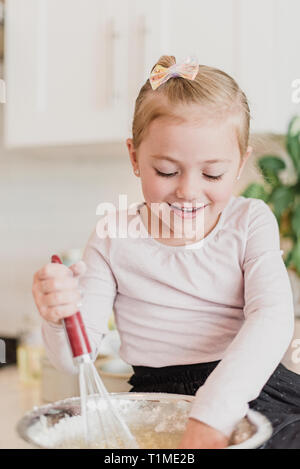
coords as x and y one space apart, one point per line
17 398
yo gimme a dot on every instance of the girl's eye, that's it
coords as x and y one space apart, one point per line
214 178
166 175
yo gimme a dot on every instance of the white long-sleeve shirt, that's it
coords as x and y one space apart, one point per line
227 297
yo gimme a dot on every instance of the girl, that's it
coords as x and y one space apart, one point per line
207 312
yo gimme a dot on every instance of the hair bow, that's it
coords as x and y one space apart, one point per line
188 68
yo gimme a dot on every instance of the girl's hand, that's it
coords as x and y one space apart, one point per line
199 435
55 290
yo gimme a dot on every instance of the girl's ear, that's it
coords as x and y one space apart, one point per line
246 156
248 153
132 154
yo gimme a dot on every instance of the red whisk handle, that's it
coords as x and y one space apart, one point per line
75 329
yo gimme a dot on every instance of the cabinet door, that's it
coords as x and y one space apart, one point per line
256 55
66 71
287 63
269 60
205 29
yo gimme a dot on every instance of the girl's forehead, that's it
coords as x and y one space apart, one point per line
166 136
191 124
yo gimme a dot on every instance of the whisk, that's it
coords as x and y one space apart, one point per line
100 418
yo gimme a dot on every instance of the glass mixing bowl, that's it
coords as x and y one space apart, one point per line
54 425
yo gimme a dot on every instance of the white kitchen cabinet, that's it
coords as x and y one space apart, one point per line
287 67
269 60
256 58
63 71
256 42
73 67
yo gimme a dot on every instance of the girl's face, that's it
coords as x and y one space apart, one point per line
187 165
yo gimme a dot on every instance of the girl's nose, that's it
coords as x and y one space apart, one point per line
188 189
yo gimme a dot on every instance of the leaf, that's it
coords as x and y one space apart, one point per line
272 163
270 166
281 198
296 256
296 221
256 191
289 258
294 127
286 224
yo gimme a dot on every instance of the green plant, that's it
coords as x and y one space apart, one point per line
283 199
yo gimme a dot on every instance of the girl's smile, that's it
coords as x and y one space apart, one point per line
185 212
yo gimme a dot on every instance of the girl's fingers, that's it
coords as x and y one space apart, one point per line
52 270
79 268
57 284
62 298
55 290
56 313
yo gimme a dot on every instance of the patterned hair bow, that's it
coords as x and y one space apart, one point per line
188 68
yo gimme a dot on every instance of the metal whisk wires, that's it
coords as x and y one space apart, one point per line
102 422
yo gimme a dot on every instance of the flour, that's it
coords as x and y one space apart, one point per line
154 424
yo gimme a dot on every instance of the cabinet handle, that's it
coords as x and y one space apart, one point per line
41 55
114 35
143 33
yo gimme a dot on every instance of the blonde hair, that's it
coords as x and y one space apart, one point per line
211 95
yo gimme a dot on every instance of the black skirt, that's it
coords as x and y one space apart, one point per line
279 399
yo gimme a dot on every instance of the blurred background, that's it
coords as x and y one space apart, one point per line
72 70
